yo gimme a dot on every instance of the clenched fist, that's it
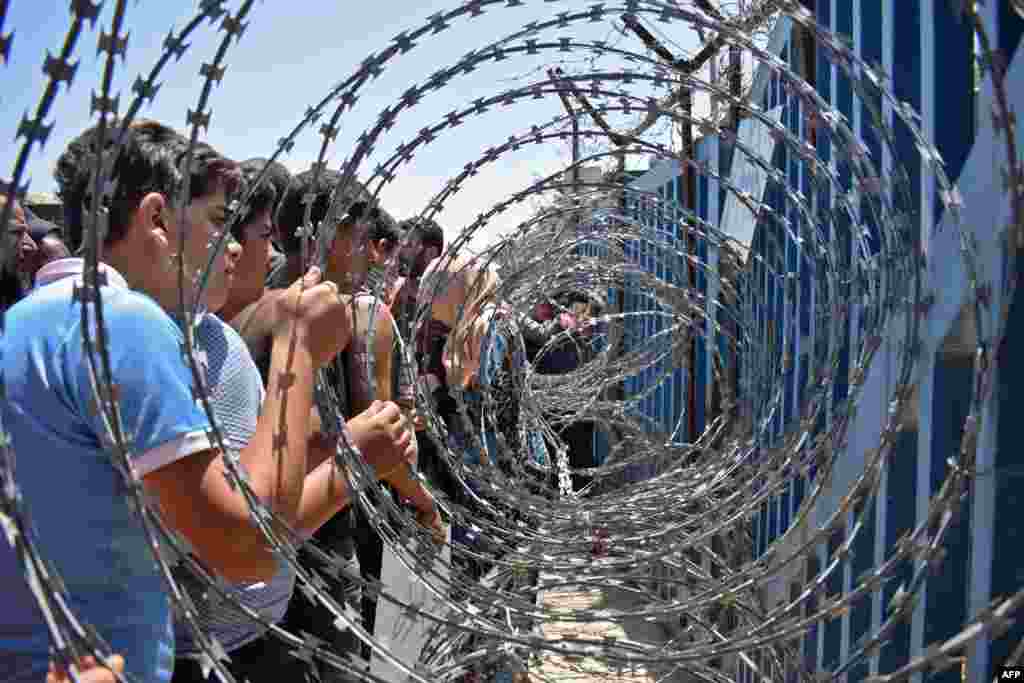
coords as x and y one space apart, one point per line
90 671
432 521
316 314
384 436
568 321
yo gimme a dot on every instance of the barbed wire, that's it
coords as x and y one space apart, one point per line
624 536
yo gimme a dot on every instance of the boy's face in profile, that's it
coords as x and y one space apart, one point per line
348 255
257 237
414 257
204 224
408 255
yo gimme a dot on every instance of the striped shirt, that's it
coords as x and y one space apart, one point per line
236 394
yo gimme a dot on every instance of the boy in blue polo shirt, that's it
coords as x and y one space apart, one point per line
77 501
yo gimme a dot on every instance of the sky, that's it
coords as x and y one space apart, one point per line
291 54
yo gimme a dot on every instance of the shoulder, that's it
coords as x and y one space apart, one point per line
231 335
366 301
137 314
368 304
212 328
211 323
135 324
257 320
120 305
234 381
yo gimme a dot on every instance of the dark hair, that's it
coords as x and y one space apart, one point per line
576 297
427 231
277 174
293 211
266 195
149 162
592 299
384 227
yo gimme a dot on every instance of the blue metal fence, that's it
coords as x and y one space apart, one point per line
929 54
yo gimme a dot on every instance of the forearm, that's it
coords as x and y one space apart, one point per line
363 387
384 362
410 488
326 489
325 493
276 458
321 448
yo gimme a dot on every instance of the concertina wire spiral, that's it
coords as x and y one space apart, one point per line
718 482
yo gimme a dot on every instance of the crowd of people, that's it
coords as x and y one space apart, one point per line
291 360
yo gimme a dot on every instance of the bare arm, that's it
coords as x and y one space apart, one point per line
256 322
402 479
383 338
325 493
275 459
321 445
382 434
194 493
383 351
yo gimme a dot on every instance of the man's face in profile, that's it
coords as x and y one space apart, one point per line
348 260
19 248
408 255
50 248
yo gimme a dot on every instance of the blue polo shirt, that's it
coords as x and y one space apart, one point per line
75 497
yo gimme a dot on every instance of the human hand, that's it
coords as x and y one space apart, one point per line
567 321
432 521
383 436
317 314
412 455
89 671
543 312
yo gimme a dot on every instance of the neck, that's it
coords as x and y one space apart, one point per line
247 288
293 267
160 284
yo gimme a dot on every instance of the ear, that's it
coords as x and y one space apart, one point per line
152 217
